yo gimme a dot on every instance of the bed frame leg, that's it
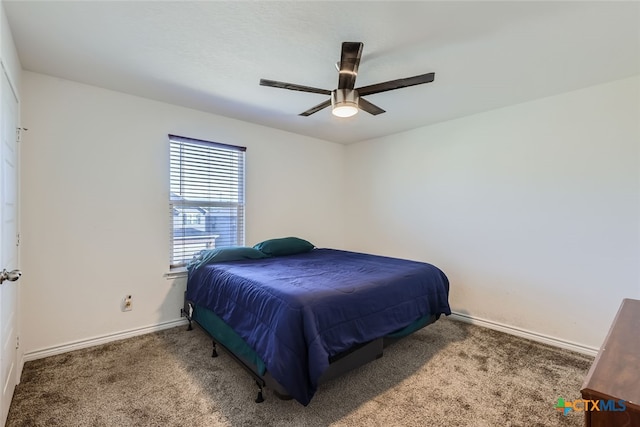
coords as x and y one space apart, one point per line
183 313
259 399
214 353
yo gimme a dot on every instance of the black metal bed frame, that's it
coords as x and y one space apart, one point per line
338 364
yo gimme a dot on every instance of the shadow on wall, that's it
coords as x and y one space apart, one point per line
169 309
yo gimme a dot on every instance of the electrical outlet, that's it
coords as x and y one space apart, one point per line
127 304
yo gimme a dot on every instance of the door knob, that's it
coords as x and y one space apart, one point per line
11 276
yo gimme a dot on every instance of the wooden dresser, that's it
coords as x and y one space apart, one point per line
615 373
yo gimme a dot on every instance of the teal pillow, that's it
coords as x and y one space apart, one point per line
284 246
233 253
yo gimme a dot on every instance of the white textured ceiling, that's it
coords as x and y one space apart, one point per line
211 55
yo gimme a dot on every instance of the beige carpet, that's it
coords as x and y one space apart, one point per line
448 374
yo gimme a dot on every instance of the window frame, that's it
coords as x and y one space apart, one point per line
212 159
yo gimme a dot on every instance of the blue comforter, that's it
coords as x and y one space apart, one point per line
296 311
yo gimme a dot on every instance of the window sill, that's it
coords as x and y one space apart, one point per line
176 273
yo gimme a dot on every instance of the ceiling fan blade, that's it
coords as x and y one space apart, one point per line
349 62
317 108
396 84
369 107
292 86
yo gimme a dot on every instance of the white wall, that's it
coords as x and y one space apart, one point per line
533 210
95 223
8 53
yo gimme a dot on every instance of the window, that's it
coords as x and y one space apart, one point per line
206 198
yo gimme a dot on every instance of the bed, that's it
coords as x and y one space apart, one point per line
296 320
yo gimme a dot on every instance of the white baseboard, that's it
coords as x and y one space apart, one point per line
104 339
90 342
523 333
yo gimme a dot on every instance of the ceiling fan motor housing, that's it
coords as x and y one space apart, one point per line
344 102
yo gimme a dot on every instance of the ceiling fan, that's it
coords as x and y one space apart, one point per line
346 99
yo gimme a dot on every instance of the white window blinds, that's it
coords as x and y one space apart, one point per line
206 198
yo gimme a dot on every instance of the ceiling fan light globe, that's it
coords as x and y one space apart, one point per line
344 102
345 110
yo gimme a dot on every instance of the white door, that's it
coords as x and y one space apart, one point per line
8 245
